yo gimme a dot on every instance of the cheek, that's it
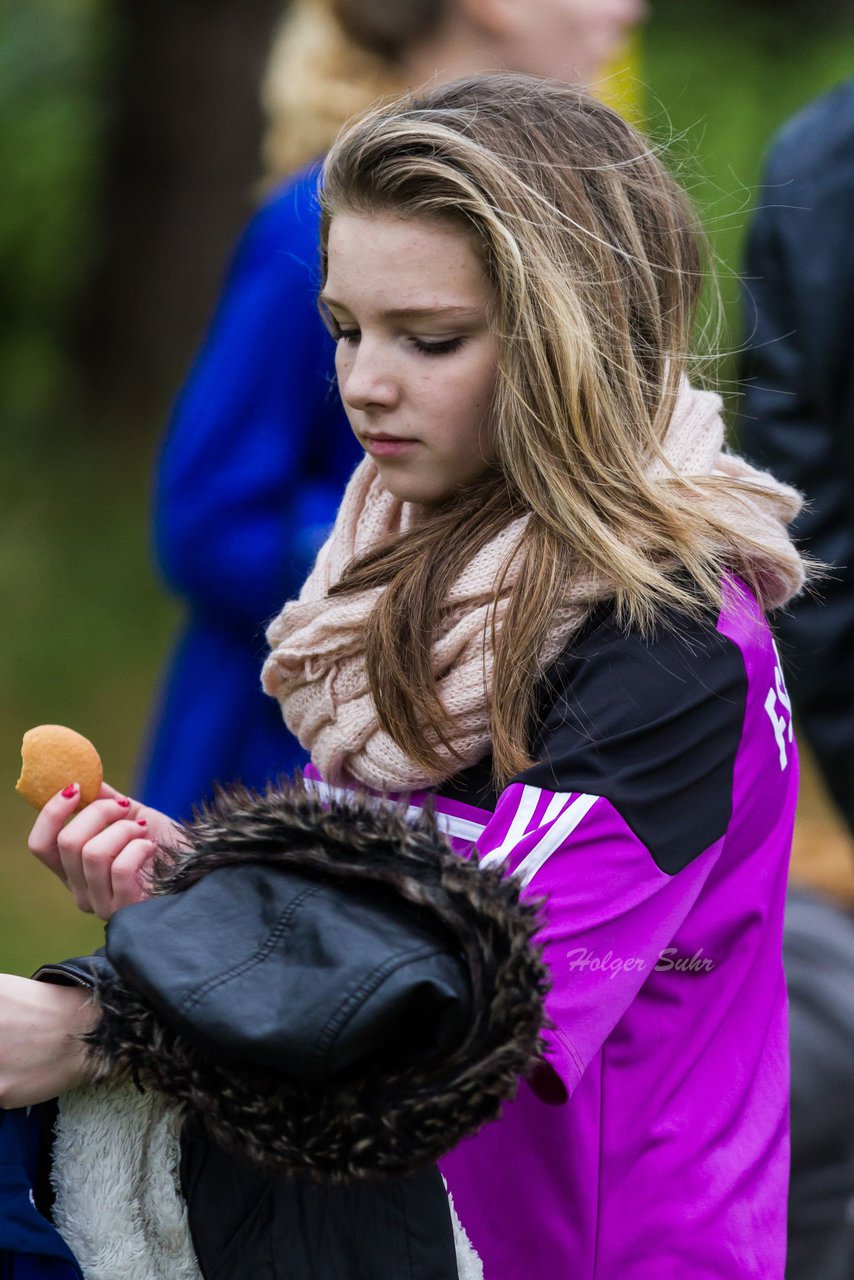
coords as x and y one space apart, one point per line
482 385
477 398
466 399
559 32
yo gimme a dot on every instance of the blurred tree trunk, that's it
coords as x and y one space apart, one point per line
180 182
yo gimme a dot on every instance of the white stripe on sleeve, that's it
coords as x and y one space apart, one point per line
518 826
562 827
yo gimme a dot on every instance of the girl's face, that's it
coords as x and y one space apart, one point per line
407 303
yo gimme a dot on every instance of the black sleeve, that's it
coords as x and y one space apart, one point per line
652 723
321 980
80 971
283 972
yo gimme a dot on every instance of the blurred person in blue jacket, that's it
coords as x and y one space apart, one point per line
31 1247
258 450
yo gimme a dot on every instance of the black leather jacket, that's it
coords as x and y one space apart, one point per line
335 999
798 409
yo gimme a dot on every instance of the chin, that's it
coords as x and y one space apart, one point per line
423 494
420 497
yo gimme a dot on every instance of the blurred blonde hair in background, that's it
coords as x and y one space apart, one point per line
332 59
318 77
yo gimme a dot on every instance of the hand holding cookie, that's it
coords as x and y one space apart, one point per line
95 839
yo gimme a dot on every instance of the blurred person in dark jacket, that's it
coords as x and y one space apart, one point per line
258 449
798 420
798 408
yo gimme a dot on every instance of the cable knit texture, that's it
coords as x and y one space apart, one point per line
316 667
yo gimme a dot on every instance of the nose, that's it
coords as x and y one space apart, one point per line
365 380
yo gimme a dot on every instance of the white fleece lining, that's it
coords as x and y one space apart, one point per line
116 1177
118 1202
469 1265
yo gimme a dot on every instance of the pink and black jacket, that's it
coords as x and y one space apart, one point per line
651 1140
657 826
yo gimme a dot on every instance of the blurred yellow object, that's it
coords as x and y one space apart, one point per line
620 86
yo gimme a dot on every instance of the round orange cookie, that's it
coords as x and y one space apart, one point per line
52 758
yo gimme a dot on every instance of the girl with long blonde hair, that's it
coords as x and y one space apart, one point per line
543 612
544 603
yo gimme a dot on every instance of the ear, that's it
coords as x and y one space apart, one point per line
499 19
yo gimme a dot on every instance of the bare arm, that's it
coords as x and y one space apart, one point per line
42 1053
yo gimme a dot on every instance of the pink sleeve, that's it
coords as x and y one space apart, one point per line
609 910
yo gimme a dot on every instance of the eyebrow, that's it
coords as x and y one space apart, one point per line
408 313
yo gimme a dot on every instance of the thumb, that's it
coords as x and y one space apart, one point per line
109 793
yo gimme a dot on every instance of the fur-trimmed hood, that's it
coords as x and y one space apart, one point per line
327 1091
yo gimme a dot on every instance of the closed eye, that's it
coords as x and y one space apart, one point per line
336 332
442 348
339 334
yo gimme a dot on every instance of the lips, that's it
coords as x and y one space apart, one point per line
385 446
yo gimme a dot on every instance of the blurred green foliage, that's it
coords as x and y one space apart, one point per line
721 77
52 57
83 621
85 626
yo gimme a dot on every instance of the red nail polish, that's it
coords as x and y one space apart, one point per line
70 791
124 803
141 822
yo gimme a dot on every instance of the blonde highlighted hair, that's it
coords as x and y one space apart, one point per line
596 261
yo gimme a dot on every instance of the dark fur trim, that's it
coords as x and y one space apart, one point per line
382 1121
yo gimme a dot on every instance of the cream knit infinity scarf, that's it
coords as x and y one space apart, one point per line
316 666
